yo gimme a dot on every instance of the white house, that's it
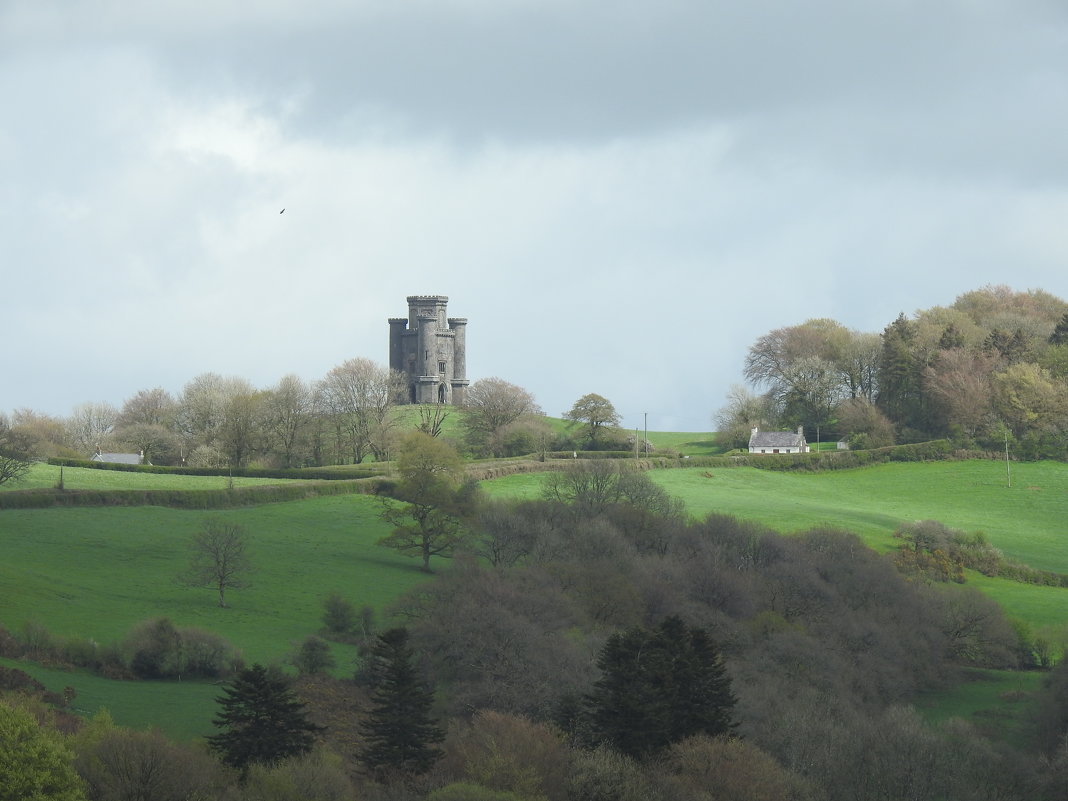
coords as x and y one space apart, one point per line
778 441
119 458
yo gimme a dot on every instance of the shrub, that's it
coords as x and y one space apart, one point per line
156 649
204 653
339 615
312 656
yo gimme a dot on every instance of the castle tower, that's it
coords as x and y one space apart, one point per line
430 348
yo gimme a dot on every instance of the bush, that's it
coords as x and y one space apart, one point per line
157 650
339 615
312 656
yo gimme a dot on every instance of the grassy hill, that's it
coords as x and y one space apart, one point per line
93 573
1026 520
96 572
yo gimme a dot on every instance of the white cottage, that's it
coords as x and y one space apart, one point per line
778 441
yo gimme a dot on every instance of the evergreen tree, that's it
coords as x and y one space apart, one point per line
263 721
1060 332
659 687
900 394
399 734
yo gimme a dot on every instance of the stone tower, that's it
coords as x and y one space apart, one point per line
431 350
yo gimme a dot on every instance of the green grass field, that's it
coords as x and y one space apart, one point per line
96 572
999 703
46 476
1027 521
182 710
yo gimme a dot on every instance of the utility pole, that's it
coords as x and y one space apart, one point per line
1008 471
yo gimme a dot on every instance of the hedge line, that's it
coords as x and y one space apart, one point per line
332 473
935 450
186 499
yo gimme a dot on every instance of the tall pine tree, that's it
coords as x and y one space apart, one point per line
399 733
658 687
262 721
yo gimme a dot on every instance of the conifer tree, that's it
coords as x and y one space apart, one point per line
658 687
1060 332
399 734
262 721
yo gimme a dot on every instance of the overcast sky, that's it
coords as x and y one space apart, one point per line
619 196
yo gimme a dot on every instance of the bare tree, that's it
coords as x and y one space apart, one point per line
202 409
744 411
219 558
16 452
288 409
490 406
359 395
89 425
150 407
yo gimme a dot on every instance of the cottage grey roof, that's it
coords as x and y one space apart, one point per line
118 458
776 439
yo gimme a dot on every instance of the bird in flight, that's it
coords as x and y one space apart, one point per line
283 211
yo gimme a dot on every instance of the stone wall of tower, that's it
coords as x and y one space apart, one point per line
430 348
458 326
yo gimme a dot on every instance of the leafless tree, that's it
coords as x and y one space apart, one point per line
149 407
219 558
89 425
359 394
490 406
288 409
16 452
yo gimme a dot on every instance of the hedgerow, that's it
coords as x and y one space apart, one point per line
186 499
330 473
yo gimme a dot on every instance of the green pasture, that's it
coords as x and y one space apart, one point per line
684 442
1000 703
181 709
95 572
46 476
1027 521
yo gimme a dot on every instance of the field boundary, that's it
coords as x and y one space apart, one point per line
188 499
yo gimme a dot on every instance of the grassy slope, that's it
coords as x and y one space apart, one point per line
46 476
95 572
182 710
1026 521
1000 703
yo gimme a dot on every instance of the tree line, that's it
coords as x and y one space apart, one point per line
989 371
348 416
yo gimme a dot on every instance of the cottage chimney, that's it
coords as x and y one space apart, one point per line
755 429
800 431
